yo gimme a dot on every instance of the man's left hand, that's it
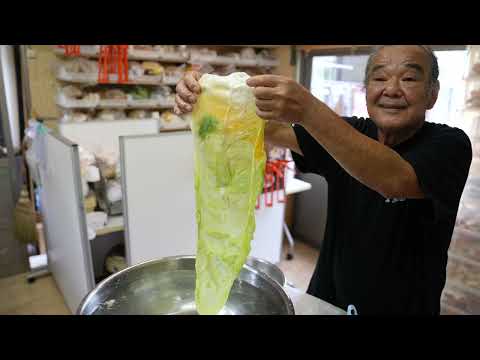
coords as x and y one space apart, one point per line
281 99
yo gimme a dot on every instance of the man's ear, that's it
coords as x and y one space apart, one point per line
433 95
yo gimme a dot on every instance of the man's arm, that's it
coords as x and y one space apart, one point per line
370 162
281 135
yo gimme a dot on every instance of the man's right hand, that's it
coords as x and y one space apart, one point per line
188 90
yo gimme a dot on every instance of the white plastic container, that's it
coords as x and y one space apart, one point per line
246 62
198 58
136 54
66 103
90 50
267 62
166 102
142 103
96 220
172 79
81 78
113 103
147 79
171 121
175 57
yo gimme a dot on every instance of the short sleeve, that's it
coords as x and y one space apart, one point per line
441 162
315 158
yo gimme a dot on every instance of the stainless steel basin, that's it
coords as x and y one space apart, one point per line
167 287
268 269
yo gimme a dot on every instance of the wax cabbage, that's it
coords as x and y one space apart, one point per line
229 162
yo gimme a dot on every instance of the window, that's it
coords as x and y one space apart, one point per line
338 82
451 98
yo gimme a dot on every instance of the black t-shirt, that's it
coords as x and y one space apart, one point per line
389 256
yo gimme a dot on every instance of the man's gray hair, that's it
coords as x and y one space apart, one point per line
434 70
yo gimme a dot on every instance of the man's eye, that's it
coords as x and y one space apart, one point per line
379 79
409 79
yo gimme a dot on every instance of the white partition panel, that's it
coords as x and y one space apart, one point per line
267 239
69 256
96 136
159 201
158 193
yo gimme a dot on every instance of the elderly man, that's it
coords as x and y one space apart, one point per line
394 180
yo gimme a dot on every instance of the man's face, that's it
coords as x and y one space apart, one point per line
398 94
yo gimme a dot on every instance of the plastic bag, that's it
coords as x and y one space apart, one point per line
229 171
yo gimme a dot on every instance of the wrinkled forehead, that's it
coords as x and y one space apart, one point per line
399 56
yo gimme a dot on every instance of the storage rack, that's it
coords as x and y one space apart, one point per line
183 57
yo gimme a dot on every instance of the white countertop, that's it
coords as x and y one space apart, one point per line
114 223
295 186
305 304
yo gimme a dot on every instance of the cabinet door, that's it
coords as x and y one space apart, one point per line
267 239
69 254
158 196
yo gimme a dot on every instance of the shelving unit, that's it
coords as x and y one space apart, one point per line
86 80
127 105
93 52
92 79
188 57
176 55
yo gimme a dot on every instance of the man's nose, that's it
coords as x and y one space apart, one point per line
392 88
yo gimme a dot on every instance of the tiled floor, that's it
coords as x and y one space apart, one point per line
18 297
299 270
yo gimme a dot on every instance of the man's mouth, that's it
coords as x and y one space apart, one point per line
393 106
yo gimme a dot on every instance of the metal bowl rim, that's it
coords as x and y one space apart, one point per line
268 263
275 284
